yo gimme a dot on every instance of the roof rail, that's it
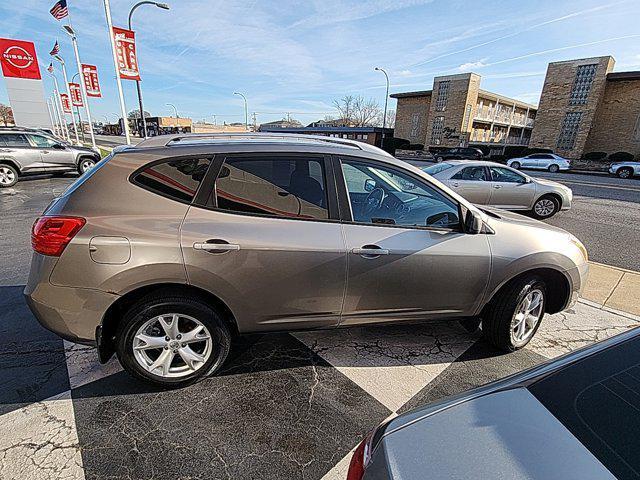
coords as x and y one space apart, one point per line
183 139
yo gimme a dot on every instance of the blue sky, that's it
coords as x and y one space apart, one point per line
297 56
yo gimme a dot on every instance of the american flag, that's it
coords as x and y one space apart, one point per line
50 68
56 49
59 10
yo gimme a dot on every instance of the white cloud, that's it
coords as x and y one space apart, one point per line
469 66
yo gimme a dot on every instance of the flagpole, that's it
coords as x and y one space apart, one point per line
54 127
66 82
83 91
123 110
54 101
60 108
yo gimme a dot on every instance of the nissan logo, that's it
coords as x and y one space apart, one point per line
18 57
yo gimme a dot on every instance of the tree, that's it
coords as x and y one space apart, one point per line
357 111
136 114
391 118
6 114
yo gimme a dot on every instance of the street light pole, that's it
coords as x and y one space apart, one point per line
164 6
246 111
123 109
386 98
174 109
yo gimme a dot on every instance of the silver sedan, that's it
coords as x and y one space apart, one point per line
494 184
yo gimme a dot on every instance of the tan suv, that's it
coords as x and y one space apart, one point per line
166 250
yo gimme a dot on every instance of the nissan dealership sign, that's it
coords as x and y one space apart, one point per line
24 84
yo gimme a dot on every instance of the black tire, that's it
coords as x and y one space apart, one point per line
162 303
498 314
515 165
553 168
439 159
625 172
8 175
85 164
538 210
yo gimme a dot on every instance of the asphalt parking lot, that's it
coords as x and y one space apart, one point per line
286 405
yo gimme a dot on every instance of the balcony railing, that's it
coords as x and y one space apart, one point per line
518 120
498 139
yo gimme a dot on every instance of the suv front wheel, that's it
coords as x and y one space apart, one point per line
8 175
512 318
85 164
172 341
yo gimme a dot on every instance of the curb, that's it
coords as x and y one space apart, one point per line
613 288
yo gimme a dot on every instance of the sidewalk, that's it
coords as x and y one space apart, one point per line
614 288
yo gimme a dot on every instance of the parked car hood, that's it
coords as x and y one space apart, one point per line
496 216
551 183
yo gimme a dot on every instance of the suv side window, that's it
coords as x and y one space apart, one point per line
501 174
474 174
43 142
387 196
14 140
289 187
177 179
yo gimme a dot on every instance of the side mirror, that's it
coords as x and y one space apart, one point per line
369 185
472 222
58 146
443 219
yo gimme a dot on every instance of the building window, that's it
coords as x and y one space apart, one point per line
636 132
443 94
437 130
570 125
415 125
582 85
467 118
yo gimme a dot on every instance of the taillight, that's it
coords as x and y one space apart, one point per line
50 235
360 458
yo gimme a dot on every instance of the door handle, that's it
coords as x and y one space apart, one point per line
497 186
370 251
44 151
455 184
215 246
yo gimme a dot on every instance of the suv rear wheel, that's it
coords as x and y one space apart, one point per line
8 175
512 318
625 172
172 341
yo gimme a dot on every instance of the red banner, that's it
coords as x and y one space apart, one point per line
126 52
19 59
76 95
91 84
66 105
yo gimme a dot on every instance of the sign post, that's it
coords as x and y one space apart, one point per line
123 109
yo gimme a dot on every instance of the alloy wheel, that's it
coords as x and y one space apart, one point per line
527 316
554 168
7 176
86 165
544 207
624 173
172 345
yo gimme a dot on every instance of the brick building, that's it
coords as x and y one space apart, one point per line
458 112
584 107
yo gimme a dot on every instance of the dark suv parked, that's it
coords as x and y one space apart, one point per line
459 153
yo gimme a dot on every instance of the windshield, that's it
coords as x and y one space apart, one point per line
436 168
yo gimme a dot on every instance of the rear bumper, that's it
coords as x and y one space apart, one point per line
70 312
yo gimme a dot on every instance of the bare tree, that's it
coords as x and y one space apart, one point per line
391 118
356 111
6 114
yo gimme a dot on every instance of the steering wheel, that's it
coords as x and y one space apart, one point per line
373 201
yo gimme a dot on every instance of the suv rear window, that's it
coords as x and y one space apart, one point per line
292 187
178 178
14 140
598 400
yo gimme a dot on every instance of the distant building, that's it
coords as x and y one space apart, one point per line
282 124
165 125
584 107
370 135
337 122
457 112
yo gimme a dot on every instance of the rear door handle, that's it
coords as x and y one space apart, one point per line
44 151
455 184
215 246
497 186
370 251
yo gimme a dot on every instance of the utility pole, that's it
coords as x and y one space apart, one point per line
255 122
123 110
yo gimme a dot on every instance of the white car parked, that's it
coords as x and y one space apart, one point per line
541 161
